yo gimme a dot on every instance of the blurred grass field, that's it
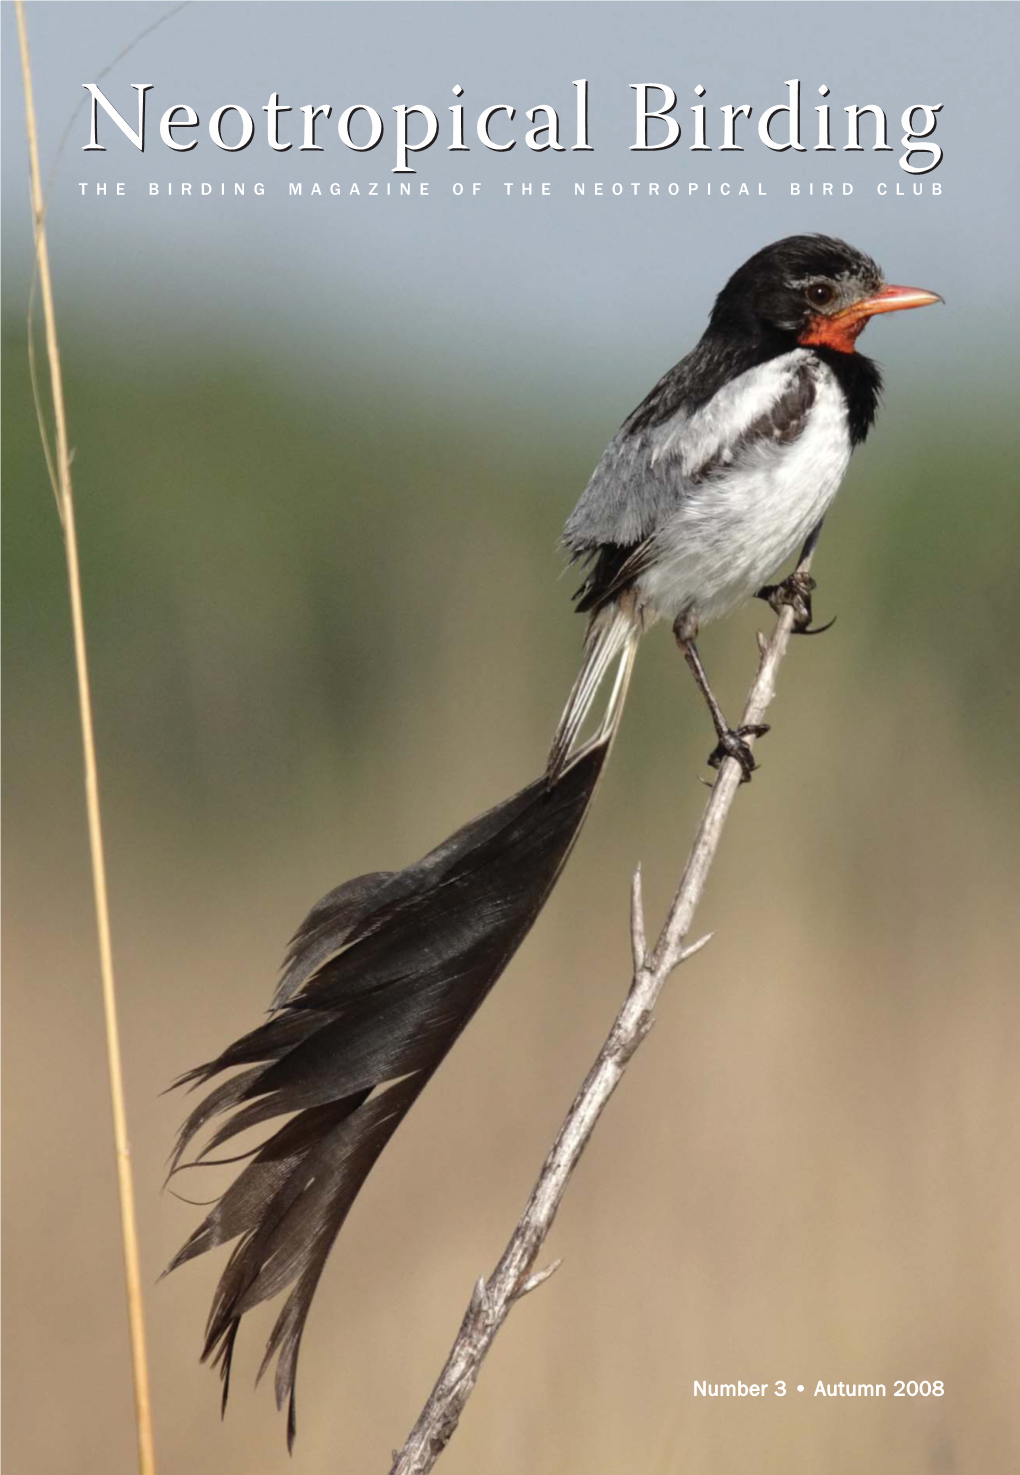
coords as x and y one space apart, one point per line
327 624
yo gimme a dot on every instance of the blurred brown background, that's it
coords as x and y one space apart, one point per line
321 636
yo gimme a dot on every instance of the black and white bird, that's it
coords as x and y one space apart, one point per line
714 481
728 466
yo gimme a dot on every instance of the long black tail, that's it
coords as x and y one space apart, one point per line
378 982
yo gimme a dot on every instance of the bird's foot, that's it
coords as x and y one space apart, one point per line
732 745
794 593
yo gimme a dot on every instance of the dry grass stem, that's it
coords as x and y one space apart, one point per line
58 462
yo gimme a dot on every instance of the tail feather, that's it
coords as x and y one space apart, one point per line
378 983
611 632
331 922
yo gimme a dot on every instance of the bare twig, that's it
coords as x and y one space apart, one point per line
59 463
638 942
513 1277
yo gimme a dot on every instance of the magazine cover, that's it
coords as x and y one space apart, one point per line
512 700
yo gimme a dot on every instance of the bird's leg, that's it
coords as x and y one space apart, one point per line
731 740
795 592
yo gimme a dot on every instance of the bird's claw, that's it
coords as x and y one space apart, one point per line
732 745
794 593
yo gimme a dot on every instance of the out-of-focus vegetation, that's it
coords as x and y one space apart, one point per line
326 626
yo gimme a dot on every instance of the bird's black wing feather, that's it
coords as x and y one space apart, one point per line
379 981
612 569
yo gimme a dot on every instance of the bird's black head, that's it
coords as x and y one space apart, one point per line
809 290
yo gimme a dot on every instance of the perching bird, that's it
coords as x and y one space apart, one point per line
714 481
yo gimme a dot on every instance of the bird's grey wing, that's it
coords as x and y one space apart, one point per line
652 464
632 491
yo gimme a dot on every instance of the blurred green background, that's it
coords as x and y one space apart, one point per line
322 463
322 635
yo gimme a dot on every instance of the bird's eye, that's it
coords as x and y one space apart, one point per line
820 294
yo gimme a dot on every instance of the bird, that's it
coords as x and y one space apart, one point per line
729 464
722 472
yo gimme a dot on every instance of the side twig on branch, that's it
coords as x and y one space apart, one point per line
492 1299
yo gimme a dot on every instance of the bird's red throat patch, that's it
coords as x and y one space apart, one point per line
840 332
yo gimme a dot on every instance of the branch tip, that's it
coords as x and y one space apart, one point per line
638 940
695 947
479 1297
539 1278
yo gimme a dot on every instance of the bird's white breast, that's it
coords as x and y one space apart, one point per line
737 525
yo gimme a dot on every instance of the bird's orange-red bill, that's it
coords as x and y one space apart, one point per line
841 329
